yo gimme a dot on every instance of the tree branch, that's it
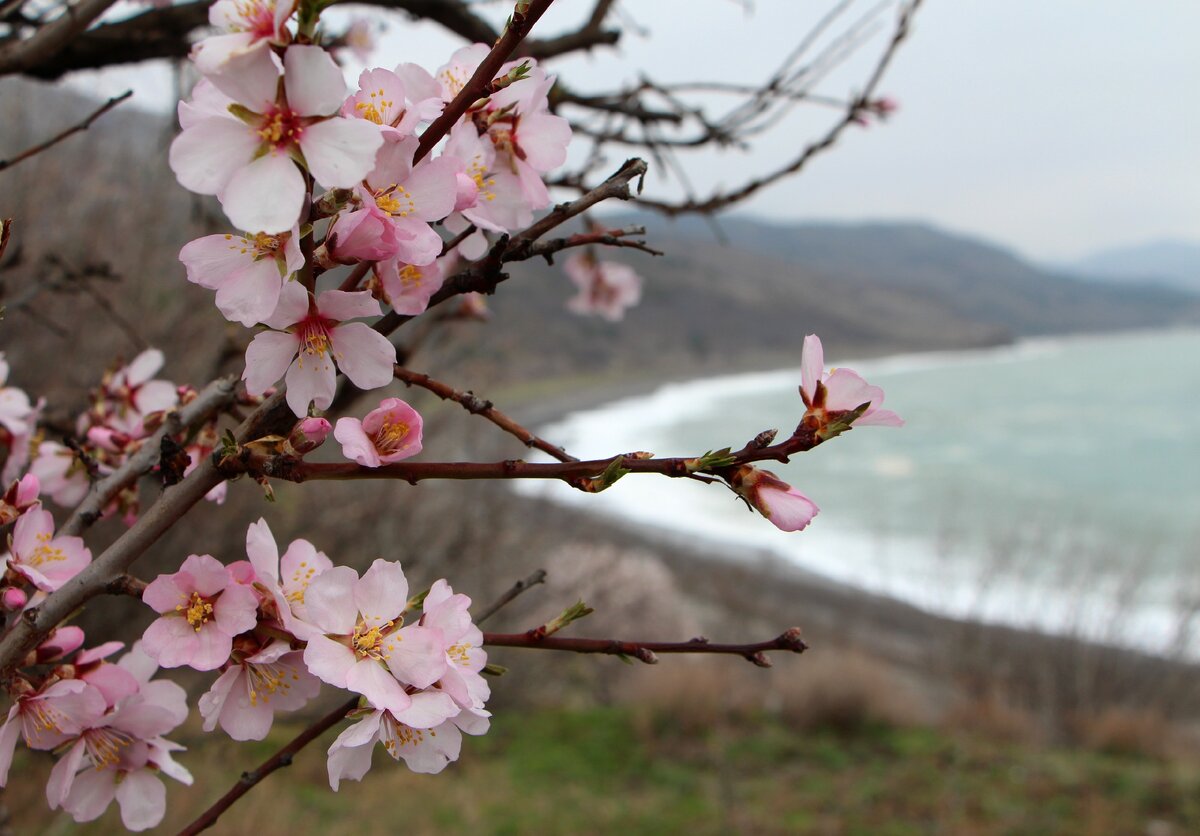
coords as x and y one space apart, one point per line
647 651
280 759
516 589
483 408
20 56
82 126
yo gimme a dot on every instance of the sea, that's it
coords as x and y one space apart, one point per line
1052 484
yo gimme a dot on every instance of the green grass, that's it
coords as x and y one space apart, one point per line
617 771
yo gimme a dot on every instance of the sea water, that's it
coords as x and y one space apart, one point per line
1052 484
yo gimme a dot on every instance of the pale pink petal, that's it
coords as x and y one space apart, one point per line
369 678
429 752
144 366
171 641
329 600
142 798
62 776
416 655
356 446
812 365
252 295
213 700
787 510
211 53
311 378
341 305
235 610
879 418
91 793
212 649
315 84
544 138
209 575
416 241
267 359
381 593
249 78
350 755
166 591
366 356
267 195
262 551
429 709
340 152
433 187
9 733
113 681
328 660
206 156
293 306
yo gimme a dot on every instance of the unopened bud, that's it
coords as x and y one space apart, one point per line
306 436
62 641
13 599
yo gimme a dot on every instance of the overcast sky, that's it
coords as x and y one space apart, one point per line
1058 127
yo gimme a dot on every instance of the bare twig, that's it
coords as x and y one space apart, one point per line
523 585
74 129
480 81
648 652
475 405
21 55
280 759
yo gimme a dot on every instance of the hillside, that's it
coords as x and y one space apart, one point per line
1168 263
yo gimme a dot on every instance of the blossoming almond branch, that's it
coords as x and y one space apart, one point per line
397 181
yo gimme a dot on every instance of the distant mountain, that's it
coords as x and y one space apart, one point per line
708 307
1172 263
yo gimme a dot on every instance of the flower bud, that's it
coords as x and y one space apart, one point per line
13 599
785 507
306 436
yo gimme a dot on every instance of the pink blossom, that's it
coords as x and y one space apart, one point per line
357 640
19 498
119 756
203 608
500 204
465 656
359 38
15 408
316 334
132 393
389 433
831 394
115 682
37 555
409 287
606 288
785 507
245 25
48 717
424 735
246 696
399 201
61 474
284 580
249 162
385 99
247 272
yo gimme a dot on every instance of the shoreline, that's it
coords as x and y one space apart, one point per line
764 559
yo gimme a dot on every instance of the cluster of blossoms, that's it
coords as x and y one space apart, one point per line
105 721
274 627
272 123
123 411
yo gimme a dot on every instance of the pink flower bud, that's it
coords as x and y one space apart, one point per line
13 599
108 439
785 507
307 435
62 641
24 493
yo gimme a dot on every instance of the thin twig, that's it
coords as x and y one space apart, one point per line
647 652
476 405
516 589
280 759
74 129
